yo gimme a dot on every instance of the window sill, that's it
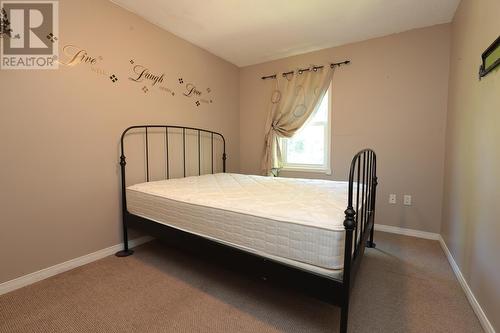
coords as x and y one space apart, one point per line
304 169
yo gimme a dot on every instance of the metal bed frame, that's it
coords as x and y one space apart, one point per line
359 225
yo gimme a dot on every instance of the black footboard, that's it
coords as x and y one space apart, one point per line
359 219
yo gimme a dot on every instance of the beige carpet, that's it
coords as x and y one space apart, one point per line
405 285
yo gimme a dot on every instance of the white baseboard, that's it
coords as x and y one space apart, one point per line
487 326
66 266
407 232
485 323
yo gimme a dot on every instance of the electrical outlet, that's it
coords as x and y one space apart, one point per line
392 198
407 200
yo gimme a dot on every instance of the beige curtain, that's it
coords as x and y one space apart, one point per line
293 99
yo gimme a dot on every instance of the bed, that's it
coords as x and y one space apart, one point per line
306 233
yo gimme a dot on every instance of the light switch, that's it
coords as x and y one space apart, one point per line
392 198
407 200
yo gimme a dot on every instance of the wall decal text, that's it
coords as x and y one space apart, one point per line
142 73
75 55
191 90
149 80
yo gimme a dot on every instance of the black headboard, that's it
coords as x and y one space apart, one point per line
166 128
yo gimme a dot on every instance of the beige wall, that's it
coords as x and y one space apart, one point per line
59 132
471 210
391 98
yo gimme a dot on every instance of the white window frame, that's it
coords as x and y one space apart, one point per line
315 168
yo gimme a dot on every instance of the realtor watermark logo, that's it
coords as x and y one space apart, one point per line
29 33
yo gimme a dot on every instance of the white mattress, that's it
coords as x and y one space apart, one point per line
296 221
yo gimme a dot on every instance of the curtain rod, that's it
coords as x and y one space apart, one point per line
314 68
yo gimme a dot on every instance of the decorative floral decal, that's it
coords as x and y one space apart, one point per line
51 37
5 29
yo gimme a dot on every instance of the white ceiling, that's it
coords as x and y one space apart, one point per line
247 32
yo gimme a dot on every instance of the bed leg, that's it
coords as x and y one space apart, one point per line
344 314
349 224
126 251
370 242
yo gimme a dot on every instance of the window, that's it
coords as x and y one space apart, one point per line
309 149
